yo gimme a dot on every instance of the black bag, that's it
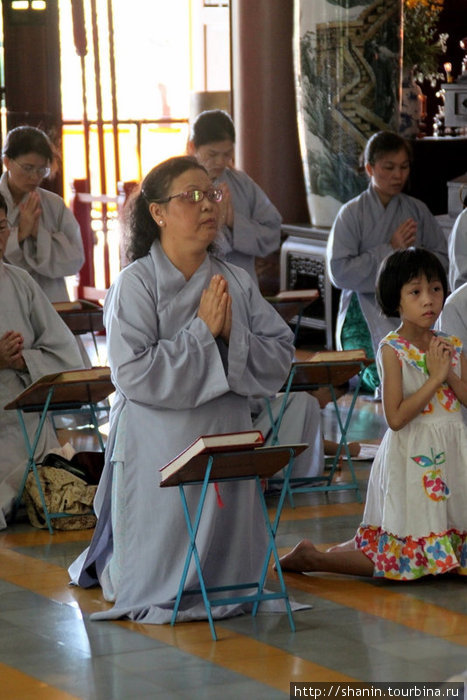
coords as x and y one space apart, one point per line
85 465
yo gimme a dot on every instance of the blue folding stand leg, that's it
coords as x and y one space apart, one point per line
260 595
323 483
31 450
31 466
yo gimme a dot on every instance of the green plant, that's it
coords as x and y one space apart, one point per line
422 44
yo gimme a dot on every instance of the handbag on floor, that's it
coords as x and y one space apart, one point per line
85 465
64 492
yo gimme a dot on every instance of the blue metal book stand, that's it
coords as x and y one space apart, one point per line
82 317
66 392
291 304
279 457
305 376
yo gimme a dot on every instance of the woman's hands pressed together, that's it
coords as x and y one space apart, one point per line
11 351
215 308
227 211
30 213
404 235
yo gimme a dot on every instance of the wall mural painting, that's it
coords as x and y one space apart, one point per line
347 63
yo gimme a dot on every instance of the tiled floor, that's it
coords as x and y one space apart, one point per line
356 629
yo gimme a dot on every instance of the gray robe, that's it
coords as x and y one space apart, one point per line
360 240
257 223
453 321
458 252
301 422
58 250
175 382
48 347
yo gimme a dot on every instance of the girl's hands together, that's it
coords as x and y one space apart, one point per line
438 359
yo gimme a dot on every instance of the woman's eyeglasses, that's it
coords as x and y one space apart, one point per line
195 196
44 171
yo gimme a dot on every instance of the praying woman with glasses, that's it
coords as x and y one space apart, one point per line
45 237
189 339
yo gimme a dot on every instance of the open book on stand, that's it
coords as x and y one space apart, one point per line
334 367
291 302
81 316
82 386
338 356
289 295
236 455
78 305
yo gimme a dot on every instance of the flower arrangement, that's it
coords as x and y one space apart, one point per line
422 45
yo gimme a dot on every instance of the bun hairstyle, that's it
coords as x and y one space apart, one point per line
28 139
211 126
400 267
384 142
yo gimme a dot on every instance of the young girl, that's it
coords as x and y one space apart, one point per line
415 519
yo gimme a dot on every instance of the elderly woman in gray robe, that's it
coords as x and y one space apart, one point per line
367 229
34 341
190 339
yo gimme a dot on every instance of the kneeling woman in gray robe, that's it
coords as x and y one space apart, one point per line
190 338
34 341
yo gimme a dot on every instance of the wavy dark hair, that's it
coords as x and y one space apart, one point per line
28 139
399 268
140 228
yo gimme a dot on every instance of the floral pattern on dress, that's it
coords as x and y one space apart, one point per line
434 485
413 356
408 558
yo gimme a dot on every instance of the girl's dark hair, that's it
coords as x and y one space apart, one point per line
210 126
27 139
141 230
399 268
384 142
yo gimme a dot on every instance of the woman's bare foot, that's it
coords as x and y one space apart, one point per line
343 546
300 558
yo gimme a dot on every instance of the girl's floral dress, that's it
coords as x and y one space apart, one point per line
415 519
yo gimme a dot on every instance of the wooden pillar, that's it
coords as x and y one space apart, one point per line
82 212
32 71
264 102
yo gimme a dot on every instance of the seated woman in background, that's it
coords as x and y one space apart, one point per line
302 422
34 341
251 228
251 224
45 237
189 339
369 227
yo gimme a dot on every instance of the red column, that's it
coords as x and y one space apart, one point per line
82 211
264 102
